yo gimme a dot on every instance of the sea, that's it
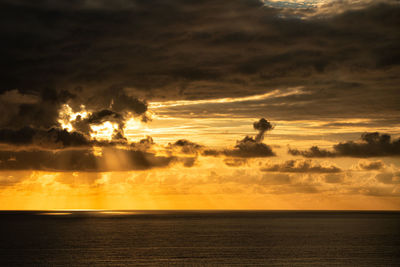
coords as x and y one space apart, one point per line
199 238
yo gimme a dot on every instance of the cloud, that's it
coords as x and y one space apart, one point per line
186 146
314 151
388 177
371 145
262 126
248 147
235 162
301 166
334 178
188 161
276 179
371 165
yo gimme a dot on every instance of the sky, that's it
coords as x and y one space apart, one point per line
200 104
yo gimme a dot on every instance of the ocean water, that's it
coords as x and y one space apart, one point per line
198 238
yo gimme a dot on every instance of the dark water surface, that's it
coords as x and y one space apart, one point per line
196 238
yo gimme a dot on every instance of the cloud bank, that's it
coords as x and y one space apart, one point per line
371 145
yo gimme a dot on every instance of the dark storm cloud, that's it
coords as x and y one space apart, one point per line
112 159
107 51
371 145
302 166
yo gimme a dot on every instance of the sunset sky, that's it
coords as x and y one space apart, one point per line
200 104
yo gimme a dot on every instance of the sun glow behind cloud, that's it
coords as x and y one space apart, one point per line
103 131
66 116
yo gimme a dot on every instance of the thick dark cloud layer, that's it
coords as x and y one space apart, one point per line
371 145
106 51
